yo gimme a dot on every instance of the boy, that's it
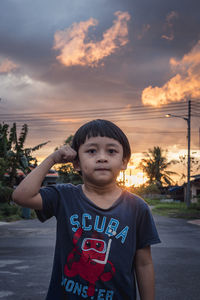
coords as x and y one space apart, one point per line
103 233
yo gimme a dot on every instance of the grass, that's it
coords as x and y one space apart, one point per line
177 210
152 202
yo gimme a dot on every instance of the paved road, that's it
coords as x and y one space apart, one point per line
27 247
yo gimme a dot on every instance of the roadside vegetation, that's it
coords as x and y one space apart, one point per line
16 162
10 212
175 209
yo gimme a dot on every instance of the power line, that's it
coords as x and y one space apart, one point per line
63 114
151 114
86 118
111 114
137 108
132 113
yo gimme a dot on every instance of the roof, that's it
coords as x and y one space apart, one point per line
51 173
175 188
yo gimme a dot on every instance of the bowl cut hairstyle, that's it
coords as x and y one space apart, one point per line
103 128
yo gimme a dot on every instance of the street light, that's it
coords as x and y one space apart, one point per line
188 120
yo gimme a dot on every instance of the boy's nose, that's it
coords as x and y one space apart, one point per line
102 157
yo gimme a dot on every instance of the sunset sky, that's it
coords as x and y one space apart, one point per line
63 63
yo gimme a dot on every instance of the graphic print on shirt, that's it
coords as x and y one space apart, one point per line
90 261
90 258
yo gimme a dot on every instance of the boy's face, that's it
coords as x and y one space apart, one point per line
100 160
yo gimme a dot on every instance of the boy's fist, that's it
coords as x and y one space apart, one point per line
64 155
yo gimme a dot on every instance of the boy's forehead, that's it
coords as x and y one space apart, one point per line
101 139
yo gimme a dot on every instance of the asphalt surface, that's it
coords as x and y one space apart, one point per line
27 249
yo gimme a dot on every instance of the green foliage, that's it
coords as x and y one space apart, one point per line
13 155
67 174
9 212
178 210
68 141
4 142
9 209
12 212
155 166
5 193
145 189
3 167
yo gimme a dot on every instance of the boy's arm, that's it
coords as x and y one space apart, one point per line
145 273
27 192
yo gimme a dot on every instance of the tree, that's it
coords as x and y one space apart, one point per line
155 165
13 155
145 189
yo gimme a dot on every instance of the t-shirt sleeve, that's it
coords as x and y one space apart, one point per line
146 229
50 203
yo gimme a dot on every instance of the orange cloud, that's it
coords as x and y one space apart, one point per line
168 27
76 50
7 66
185 84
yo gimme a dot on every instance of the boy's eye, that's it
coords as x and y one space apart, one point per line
111 151
91 151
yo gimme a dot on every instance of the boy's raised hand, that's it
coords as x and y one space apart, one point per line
27 192
64 155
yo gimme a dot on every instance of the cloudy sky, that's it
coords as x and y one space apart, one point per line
64 62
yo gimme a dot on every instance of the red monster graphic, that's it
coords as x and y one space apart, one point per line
91 262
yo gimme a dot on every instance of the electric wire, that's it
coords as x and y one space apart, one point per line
134 113
137 108
110 114
151 113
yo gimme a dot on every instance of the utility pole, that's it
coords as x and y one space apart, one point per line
188 120
188 167
199 138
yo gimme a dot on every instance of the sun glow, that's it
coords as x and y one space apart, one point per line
132 176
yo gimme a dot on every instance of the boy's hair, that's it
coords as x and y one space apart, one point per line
103 128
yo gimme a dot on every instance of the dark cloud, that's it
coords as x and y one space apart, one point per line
30 26
42 83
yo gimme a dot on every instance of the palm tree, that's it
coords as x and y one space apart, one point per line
155 166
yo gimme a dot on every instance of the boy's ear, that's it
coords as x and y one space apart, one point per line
76 165
124 164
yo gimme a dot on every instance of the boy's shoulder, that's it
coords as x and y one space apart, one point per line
60 188
66 187
136 200
134 197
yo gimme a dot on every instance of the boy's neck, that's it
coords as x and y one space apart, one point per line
101 190
104 197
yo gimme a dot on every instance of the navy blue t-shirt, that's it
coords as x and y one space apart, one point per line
95 247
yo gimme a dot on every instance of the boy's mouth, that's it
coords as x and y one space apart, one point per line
102 169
